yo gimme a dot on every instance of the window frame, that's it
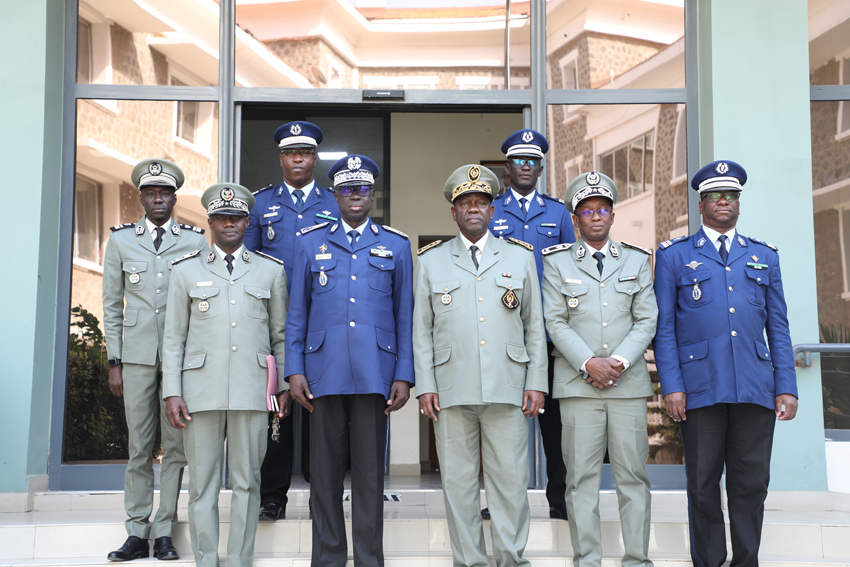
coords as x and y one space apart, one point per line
843 106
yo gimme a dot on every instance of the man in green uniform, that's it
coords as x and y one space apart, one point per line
136 270
227 315
479 350
601 314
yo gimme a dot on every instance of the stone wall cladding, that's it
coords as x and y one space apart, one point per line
608 53
832 309
671 201
307 53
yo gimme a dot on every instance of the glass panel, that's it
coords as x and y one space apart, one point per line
831 200
95 428
83 51
394 44
634 146
829 41
619 45
145 43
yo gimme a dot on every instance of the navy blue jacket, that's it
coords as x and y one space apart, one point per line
710 341
350 318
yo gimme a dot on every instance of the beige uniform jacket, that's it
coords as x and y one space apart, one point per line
220 329
590 315
468 346
133 270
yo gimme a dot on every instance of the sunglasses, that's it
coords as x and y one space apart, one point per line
348 191
715 196
292 152
588 213
522 161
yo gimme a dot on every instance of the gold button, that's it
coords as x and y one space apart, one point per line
731 310
630 291
734 333
447 289
258 295
695 279
234 349
510 286
479 279
550 233
730 288
481 319
516 356
526 227
480 299
354 256
482 343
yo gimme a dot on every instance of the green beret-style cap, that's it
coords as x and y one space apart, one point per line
587 185
157 171
471 179
227 199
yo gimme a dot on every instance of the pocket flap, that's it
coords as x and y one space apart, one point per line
203 292
134 267
696 277
574 290
131 316
758 276
323 265
386 340
381 263
693 351
314 341
517 353
630 288
262 358
762 351
508 283
442 355
445 287
258 292
194 360
549 230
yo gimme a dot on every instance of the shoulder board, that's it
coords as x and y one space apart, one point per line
757 241
267 257
395 231
646 251
258 191
556 248
122 226
428 247
192 228
305 230
551 198
519 242
667 243
176 261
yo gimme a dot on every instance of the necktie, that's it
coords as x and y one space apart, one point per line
472 251
299 203
724 254
522 203
353 235
157 242
599 256
229 260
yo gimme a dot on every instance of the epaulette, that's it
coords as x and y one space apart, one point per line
122 226
314 227
519 242
395 231
556 248
428 247
646 251
192 228
756 240
667 243
258 191
267 257
551 198
176 261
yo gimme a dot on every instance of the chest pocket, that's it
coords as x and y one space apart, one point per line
256 301
205 304
696 288
135 277
757 282
626 292
445 296
381 273
575 296
508 284
324 277
549 231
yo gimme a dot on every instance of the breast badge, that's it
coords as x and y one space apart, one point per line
694 265
323 248
204 306
270 233
134 278
446 299
697 292
510 300
573 302
323 278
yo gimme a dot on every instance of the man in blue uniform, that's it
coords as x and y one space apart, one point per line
349 359
718 293
542 221
281 211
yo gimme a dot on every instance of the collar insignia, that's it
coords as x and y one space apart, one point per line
508 200
175 230
540 201
140 229
580 252
374 228
211 257
333 228
741 241
614 252
245 257
701 243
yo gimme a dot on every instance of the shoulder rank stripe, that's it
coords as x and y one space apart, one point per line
122 226
551 198
314 227
267 257
646 251
668 243
261 190
176 261
556 248
757 241
428 247
395 231
192 228
519 242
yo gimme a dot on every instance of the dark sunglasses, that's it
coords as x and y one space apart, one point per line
292 152
715 196
362 190
522 161
588 213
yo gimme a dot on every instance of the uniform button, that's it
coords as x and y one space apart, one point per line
189 365
480 299
730 288
526 227
604 324
695 279
157 310
728 269
630 291
604 346
159 291
159 275
479 279
691 356
233 324
731 310
447 289
734 333
234 349
299 216
159 257
232 283
354 277
297 234
233 302
602 285
354 256
483 343
510 286
481 319
351 324
550 233
758 279
604 305
351 300
204 296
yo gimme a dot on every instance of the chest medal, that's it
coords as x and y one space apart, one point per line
510 300
134 278
573 302
697 292
270 233
204 306
446 299
323 279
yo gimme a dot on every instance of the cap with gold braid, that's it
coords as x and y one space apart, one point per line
227 199
471 178
157 171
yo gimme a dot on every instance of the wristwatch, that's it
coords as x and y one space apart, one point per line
114 362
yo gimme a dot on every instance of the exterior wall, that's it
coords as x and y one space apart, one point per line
671 201
608 53
305 54
833 311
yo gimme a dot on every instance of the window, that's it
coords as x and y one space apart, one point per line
631 166
84 52
569 77
843 107
88 230
187 116
680 148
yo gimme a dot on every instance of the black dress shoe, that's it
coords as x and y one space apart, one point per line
164 549
485 513
558 512
133 548
272 512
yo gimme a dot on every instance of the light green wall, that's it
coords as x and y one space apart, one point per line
758 115
30 150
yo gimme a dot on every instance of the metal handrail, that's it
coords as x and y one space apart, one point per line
808 348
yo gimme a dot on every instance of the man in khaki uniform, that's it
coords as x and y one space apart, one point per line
479 351
227 315
136 270
601 314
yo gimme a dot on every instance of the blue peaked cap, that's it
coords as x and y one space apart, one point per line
525 142
719 175
298 134
354 170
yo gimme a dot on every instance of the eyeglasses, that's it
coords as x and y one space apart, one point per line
715 196
522 161
348 190
588 213
292 152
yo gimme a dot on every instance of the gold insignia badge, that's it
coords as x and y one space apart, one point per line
755 258
474 173
694 265
323 248
510 300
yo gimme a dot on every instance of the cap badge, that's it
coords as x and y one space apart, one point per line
694 265
227 194
527 137
474 173
592 178
446 299
354 163
295 129
154 168
722 167
204 306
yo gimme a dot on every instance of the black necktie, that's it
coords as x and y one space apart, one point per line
522 203
229 260
157 242
599 256
724 254
353 235
472 251
299 203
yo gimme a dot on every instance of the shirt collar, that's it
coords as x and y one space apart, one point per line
307 188
713 235
237 256
359 229
152 226
481 243
604 248
529 197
